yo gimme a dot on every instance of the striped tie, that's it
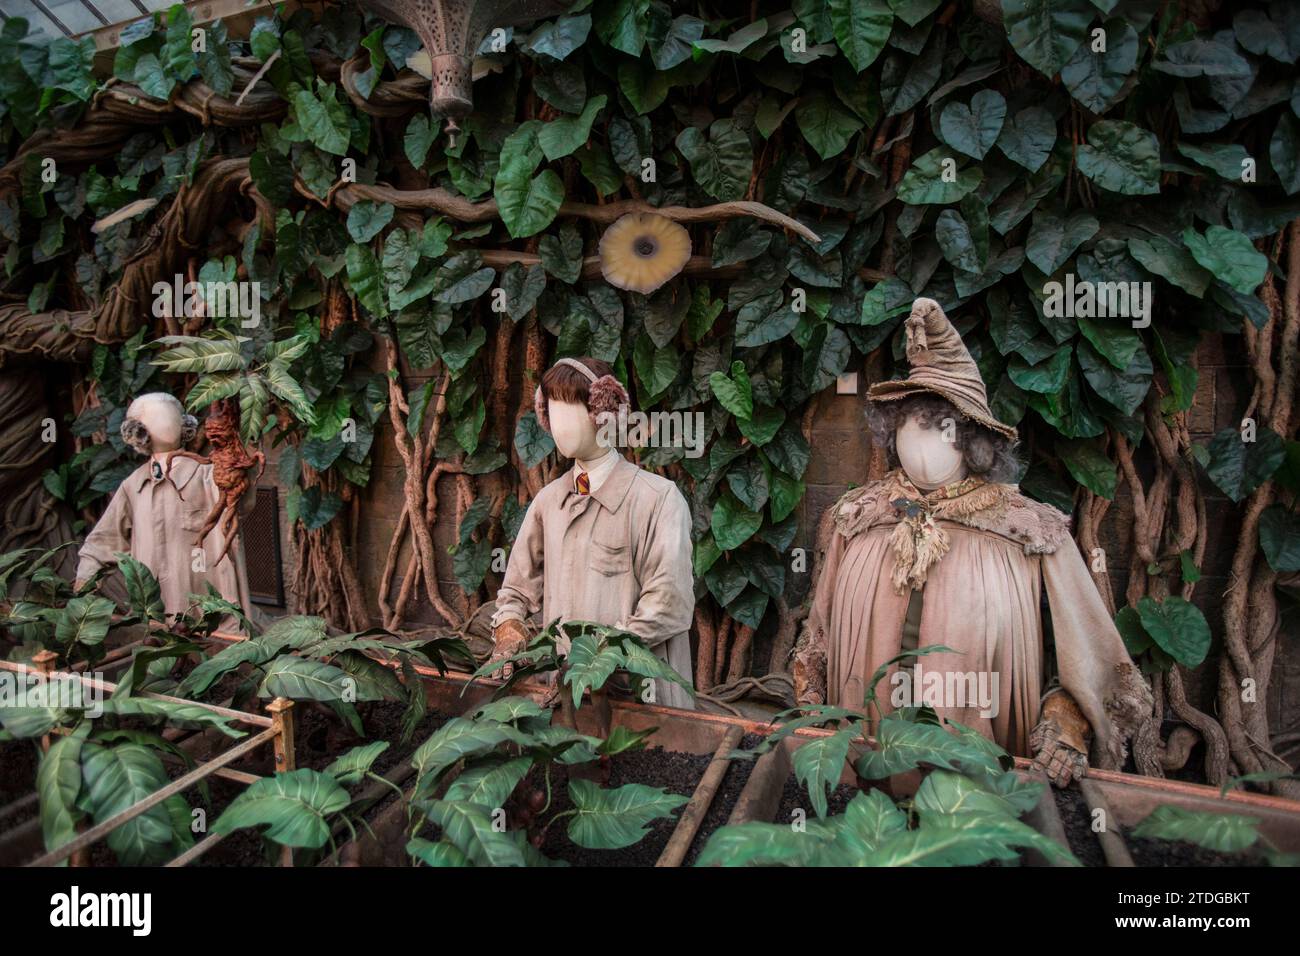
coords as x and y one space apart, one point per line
584 484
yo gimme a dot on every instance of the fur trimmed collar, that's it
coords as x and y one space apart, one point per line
1037 527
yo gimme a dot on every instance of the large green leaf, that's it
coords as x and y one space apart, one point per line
1046 32
611 819
58 783
819 762
721 161
453 740
562 136
1093 76
1178 627
591 661
528 204
975 128
488 785
1053 238
1279 538
826 126
1238 466
1220 832
1028 137
1228 254
733 524
472 830
1172 262
323 119
352 766
733 391
301 678
1121 157
115 778
861 29
903 745
935 179
85 620
293 805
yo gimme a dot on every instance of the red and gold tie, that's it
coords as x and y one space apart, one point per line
584 484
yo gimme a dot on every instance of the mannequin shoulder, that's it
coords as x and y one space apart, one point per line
659 488
859 508
1039 527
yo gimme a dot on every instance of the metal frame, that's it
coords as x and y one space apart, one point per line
276 730
107 36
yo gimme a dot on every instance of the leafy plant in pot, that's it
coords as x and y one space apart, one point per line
469 773
966 810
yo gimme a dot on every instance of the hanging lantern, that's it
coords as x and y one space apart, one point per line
451 31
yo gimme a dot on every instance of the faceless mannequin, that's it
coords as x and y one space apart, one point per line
929 456
161 416
575 433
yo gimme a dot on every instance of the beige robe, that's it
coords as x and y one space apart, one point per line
981 598
619 556
157 522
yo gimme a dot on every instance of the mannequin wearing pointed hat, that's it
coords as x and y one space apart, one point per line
946 551
607 541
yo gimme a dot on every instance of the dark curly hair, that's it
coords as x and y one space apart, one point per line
989 455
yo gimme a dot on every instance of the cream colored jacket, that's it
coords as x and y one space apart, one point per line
619 556
156 522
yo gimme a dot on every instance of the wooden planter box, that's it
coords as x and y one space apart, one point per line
1126 798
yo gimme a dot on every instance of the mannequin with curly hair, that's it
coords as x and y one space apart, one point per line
944 563
159 510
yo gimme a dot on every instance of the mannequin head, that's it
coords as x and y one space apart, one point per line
156 423
574 431
573 402
935 444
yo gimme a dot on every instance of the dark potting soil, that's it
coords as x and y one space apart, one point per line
794 796
1078 826
320 738
18 762
1145 852
670 770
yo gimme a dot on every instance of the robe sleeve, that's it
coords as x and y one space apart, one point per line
810 652
1093 664
667 601
520 593
111 533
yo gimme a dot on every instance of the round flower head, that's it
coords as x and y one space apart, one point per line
642 251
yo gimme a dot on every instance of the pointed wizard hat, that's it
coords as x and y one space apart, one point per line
942 366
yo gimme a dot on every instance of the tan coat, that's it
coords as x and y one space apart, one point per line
980 598
619 556
157 522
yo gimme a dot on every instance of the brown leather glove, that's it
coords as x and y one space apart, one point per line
509 637
809 672
1060 740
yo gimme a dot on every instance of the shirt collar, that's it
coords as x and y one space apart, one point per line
611 492
599 471
182 471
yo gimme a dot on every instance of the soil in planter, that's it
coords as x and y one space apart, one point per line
319 740
670 770
1078 826
794 796
1145 852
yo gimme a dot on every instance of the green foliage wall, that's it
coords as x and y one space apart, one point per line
934 151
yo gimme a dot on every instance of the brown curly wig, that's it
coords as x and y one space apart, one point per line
987 454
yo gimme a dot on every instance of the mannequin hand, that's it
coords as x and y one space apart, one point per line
1060 740
509 637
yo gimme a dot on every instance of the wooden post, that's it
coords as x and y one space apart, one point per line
44 661
281 711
